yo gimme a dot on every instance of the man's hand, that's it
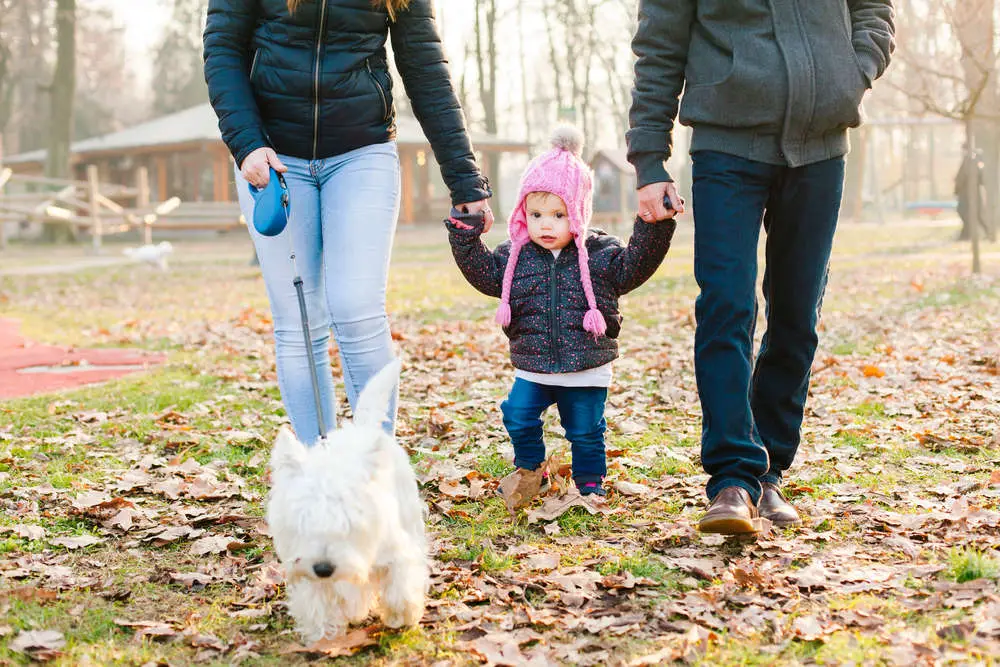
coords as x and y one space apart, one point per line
255 167
651 202
483 207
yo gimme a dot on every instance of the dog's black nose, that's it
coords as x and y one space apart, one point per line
323 569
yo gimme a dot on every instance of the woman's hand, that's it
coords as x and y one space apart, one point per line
256 167
483 207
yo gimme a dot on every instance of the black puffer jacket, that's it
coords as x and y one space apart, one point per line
547 301
316 84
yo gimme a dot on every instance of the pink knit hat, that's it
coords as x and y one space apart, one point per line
559 171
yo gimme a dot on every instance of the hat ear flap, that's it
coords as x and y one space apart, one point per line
517 223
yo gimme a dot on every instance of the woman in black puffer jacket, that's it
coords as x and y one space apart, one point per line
303 86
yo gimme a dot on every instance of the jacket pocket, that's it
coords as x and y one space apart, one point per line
253 65
750 92
383 91
840 81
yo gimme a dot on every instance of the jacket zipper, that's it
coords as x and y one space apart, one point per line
554 313
253 64
381 93
319 48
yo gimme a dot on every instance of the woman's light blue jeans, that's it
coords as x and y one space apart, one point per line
343 219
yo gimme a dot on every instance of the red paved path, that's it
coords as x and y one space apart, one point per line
17 353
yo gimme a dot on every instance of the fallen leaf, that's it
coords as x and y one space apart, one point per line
171 488
705 568
503 648
89 499
41 645
555 507
626 580
191 579
813 576
808 628
519 487
161 537
995 478
339 646
29 594
453 489
213 544
78 542
871 371
210 642
662 657
907 546
154 629
538 562
26 531
631 488
103 510
696 642
124 519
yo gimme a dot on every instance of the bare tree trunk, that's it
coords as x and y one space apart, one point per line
63 90
974 23
855 180
524 72
550 24
585 108
487 69
971 186
6 85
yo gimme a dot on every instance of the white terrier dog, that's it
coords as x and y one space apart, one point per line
348 522
151 254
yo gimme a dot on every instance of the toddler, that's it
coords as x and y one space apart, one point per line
558 282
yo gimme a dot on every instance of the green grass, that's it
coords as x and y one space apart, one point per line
494 465
640 565
967 564
853 439
225 381
871 410
487 558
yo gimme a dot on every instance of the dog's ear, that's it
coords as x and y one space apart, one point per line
373 405
288 453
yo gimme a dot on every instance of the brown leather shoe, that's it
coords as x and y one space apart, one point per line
775 508
731 512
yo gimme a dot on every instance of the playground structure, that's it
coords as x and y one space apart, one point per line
101 210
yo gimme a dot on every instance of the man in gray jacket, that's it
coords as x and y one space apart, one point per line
770 89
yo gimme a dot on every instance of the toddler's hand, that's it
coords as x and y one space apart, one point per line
468 221
479 208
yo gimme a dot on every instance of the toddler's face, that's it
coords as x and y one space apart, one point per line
548 220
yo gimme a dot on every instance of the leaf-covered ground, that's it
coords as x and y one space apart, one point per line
131 527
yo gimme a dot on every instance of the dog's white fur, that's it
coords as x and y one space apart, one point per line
350 502
151 254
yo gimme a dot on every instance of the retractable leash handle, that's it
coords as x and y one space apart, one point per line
272 214
271 205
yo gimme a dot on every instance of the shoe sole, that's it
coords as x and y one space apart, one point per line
731 526
786 524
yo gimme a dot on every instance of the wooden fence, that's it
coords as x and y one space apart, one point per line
103 210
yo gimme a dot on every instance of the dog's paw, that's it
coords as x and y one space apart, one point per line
406 615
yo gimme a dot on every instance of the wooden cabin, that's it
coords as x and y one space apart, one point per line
615 198
185 157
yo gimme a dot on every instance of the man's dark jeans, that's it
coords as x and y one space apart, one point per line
752 412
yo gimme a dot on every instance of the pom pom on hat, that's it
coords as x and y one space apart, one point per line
568 138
